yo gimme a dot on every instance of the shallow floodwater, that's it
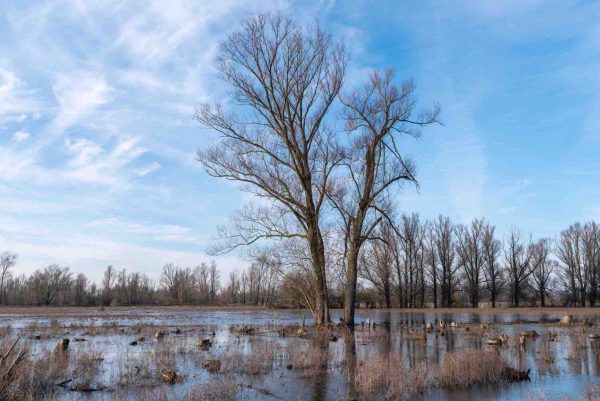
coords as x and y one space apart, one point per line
560 366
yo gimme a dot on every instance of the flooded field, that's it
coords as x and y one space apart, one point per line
255 354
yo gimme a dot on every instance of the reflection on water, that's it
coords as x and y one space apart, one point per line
562 360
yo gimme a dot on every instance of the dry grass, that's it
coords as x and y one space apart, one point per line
387 375
469 367
311 361
86 365
25 379
222 389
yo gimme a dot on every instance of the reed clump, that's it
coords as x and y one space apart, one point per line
469 367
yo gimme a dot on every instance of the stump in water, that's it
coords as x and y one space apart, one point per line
248 330
133 343
169 376
566 320
530 334
513 375
212 365
62 345
205 344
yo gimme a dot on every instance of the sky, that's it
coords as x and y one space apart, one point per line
98 138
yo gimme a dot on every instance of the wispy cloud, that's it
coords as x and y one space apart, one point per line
78 94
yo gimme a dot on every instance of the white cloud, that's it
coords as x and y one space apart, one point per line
159 232
148 169
15 99
21 136
91 163
78 95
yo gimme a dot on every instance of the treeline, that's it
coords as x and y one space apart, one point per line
59 286
412 264
441 264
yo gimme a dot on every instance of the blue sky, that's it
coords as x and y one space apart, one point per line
98 140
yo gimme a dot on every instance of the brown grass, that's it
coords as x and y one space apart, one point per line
311 360
222 389
387 375
469 367
86 365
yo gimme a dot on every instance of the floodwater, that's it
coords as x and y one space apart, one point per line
561 367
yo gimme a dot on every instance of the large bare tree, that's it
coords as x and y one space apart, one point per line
376 117
284 79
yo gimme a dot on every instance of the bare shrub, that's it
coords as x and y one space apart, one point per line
13 370
371 374
46 372
311 360
387 375
465 368
86 366
222 389
592 392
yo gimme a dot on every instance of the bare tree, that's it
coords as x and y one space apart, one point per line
578 248
48 283
287 79
107 284
591 250
544 266
446 251
432 261
214 280
80 289
492 270
519 264
376 116
178 282
470 252
377 261
7 261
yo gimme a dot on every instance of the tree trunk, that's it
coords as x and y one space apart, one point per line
542 298
317 251
350 290
435 303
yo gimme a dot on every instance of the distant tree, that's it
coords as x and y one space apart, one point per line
432 261
519 265
7 261
578 249
107 284
543 268
214 280
377 263
492 270
445 239
80 288
48 283
178 282
470 251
